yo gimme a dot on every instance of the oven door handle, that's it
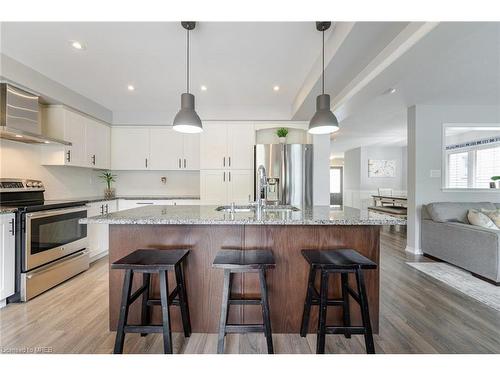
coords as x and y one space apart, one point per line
34 215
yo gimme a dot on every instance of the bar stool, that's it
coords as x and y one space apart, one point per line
238 261
147 262
343 261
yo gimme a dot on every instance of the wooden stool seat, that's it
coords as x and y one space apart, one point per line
337 259
342 261
237 261
147 262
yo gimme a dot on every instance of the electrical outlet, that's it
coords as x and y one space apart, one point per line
164 180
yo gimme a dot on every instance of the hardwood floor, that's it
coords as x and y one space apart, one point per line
417 315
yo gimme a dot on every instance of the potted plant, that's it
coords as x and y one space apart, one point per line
107 176
496 181
282 133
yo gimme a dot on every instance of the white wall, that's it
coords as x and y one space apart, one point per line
321 170
20 160
425 154
359 187
179 183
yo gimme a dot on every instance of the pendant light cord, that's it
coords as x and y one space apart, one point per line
323 66
187 65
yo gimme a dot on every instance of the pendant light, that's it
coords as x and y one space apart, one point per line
187 120
323 121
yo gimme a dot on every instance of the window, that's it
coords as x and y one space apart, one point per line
457 170
472 156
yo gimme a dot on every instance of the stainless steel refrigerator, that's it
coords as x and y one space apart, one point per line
289 172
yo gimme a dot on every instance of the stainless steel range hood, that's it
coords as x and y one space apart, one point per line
20 117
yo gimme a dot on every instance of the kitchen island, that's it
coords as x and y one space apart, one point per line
205 230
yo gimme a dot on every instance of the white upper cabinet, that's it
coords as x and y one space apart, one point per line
130 148
227 146
240 186
226 186
171 150
166 149
90 139
98 142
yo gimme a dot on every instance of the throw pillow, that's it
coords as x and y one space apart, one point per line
480 219
494 215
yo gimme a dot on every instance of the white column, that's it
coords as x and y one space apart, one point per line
321 170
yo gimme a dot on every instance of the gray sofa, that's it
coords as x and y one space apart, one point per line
447 235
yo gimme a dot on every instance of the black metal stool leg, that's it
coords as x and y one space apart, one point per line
365 315
304 327
186 320
223 312
320 341
122 320
265 311
145 310
167 334
344 276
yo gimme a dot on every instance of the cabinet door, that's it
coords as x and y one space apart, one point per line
129 148
191 148
74 132
166 149
241 139
213 146
7 256
213 186
91 140
240 186
103 146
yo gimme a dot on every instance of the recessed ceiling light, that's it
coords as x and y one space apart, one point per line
389 91
18 136
77 45
276 88
130 88
46 142
203 88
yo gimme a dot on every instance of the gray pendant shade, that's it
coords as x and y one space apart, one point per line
323 121
187 120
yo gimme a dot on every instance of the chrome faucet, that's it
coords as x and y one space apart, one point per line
261 184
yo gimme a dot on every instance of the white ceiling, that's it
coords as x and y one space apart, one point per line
454 63
238 62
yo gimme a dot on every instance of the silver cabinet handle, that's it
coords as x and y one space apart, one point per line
224 177
93 159
102 209
224 161
229 176
68 156
107 209
184 163
229 160
146 162
179 163
12 229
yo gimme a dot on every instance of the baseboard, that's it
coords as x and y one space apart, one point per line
485 279
98 256
414 251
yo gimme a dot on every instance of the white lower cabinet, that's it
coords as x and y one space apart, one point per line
226 186
7 256
98 234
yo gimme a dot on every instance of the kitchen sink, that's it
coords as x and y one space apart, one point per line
282 208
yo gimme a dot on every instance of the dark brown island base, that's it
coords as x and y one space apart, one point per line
206 231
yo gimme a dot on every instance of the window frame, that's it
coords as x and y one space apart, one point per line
471 158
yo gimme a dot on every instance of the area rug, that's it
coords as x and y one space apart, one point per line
462 281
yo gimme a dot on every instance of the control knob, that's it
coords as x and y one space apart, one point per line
29 184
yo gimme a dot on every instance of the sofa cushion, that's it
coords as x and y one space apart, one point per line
480 219
455 211
497 205
494 215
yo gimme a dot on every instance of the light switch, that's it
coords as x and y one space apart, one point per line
435 173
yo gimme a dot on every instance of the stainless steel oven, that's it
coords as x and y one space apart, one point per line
53 234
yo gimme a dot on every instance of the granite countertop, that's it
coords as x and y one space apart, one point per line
137 197
179 215
7 210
